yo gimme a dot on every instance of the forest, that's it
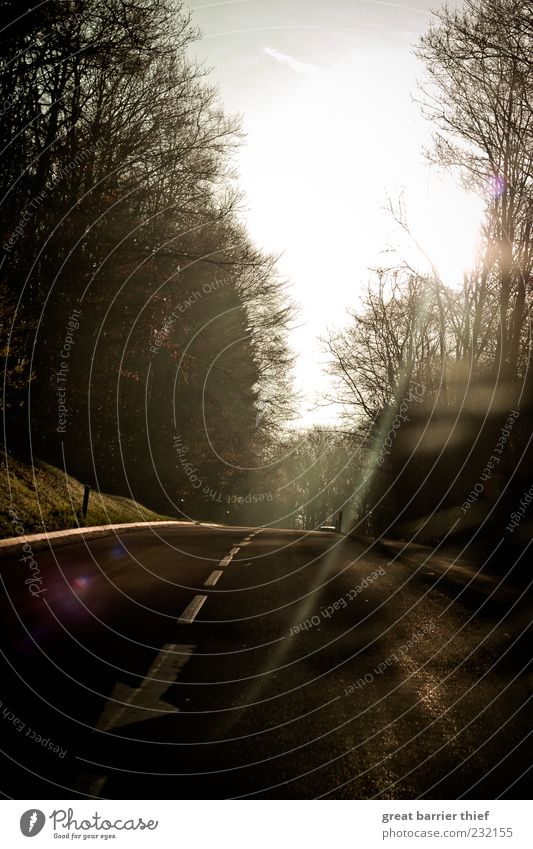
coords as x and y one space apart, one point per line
436 379
135 309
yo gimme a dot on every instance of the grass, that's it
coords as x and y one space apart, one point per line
46 499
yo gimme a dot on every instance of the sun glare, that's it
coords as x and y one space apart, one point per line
321 161
446 224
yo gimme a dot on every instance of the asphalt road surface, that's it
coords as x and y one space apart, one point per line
199 662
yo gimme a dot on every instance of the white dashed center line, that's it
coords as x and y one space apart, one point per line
192 610
213 578
225 561
128 705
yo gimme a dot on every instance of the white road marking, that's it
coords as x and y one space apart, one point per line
245 542
91 784
233 552
192 610
225 560
99 785
213 578
136 703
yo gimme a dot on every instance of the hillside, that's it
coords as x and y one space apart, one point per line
45 498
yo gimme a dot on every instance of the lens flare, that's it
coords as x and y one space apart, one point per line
496 186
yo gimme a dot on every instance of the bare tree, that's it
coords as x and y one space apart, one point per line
479 95
394 338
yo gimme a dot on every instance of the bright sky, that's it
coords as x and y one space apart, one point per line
325 90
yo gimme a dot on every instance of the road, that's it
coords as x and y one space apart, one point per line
259 663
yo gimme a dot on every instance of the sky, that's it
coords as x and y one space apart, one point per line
327 90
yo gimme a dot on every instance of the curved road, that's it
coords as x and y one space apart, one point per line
199 662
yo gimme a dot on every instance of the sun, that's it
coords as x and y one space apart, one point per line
322 159
446 224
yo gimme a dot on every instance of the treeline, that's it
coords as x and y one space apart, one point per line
436 381
140 324
316 478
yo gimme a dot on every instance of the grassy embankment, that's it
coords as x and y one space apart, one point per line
45 498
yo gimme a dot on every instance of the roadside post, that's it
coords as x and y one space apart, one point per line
85 504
